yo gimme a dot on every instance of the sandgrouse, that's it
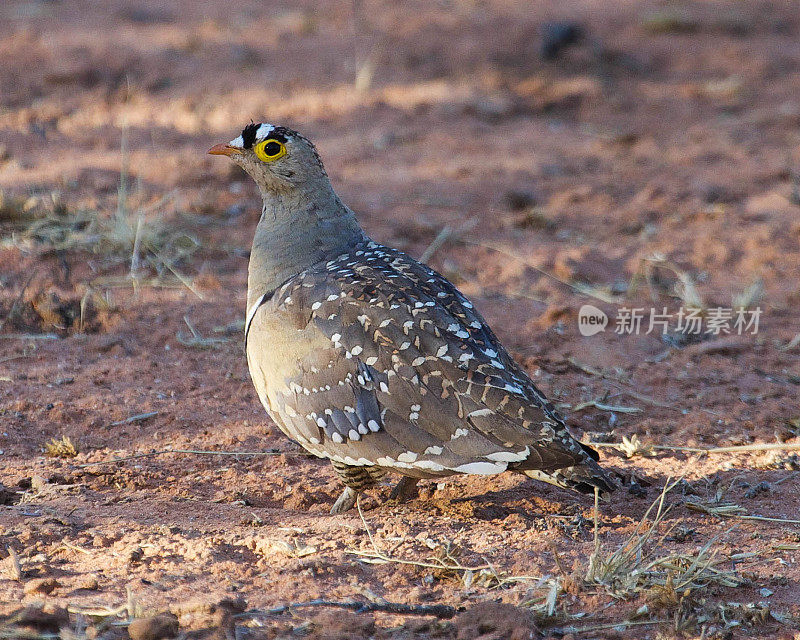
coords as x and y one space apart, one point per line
369 358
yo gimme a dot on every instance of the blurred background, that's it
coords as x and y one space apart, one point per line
543 156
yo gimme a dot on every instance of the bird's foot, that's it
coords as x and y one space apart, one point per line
345 501
406 489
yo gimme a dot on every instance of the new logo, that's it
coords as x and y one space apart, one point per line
591 320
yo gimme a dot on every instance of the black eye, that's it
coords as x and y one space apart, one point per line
272 148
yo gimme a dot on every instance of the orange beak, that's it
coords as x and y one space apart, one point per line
223 149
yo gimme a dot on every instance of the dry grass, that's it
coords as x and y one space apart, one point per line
683 288
136 234
637 568
116 238
62 447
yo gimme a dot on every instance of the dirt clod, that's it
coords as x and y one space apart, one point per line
157 627
41 586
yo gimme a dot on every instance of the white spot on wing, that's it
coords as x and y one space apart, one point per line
480 412
509 456
481 468
429 464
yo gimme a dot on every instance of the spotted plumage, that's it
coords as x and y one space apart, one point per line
373 360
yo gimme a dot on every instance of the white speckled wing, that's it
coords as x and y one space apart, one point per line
409 377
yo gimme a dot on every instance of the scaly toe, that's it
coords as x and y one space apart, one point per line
345 501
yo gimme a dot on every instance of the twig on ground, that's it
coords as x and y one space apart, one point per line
597 404
19 357
72 547
139 417
744 448
98 612
197 340
730 510
436 243
446 233
610 625
439 610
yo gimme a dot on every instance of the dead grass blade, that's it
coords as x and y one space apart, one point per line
684 288
636 567
744 448
599 404
438 610
730 510
196 340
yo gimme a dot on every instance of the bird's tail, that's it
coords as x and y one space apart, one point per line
583 478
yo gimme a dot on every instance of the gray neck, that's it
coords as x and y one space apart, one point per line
297 230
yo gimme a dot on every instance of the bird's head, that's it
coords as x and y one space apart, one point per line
279 159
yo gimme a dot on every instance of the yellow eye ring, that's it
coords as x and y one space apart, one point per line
269 150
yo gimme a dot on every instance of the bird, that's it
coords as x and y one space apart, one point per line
373 360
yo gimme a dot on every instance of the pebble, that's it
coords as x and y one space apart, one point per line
157 627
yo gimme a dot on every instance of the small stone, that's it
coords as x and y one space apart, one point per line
87 582
157 627
519 199
40 585
765 593
557 36
136 555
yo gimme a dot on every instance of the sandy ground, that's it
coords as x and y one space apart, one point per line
654 163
